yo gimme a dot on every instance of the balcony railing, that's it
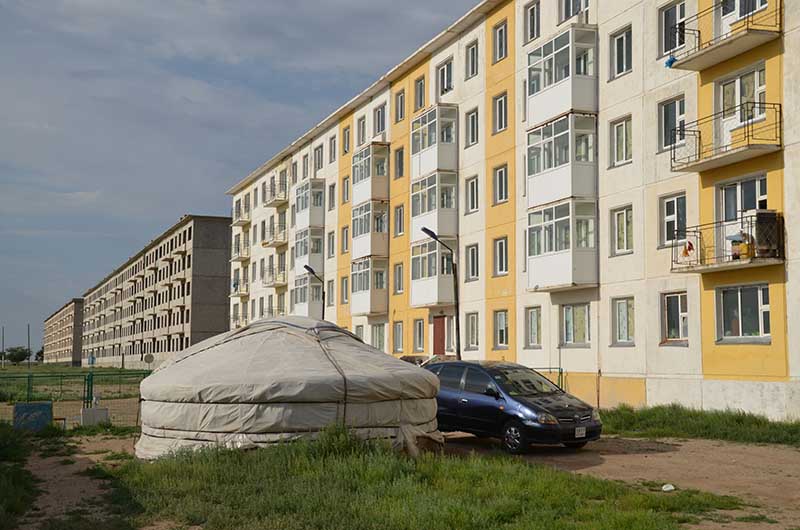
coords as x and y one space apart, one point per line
755 239
275 236
240 253
738 133
722 31
275 278
238 322
277 194
241 217
240 287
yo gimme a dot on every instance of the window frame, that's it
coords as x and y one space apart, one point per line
680 19
419 335
587 331
397 336
500 113
472 255
398 272
379 119
419 93
532 342
472 325
533 27
501 330
472 125
399 226
399 162
472 199
683 301
626 35
665 140
665 218
444 77
762 309
471 60
630 320
500 176
400 105
500 41
626 125
627 230
500 256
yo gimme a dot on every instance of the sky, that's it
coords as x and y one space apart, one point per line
118 117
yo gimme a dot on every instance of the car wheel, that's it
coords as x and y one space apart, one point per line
575 445
514 440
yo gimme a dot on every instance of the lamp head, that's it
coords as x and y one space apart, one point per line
430 233
309 270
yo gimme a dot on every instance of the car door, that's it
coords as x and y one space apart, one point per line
450 377
478 412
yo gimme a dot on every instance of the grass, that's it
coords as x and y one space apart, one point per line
343 483
675 421
17 485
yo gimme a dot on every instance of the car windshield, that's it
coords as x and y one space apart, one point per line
521 381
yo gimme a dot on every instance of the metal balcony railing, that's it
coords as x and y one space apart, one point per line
240 287
722 21
241 216
274 277
751 124
276 235
240 252
753 237
276 193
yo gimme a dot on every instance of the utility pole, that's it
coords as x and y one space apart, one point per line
3 346
29 347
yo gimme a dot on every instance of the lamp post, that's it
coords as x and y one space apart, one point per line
431 234
322 284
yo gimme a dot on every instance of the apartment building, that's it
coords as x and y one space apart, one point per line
611 176
171 294
63 334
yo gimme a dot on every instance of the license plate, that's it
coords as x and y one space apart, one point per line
580 432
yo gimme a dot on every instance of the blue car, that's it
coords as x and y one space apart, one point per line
511 402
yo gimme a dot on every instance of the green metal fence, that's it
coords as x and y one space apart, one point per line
116 390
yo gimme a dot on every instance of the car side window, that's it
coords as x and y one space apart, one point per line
477 381
450 376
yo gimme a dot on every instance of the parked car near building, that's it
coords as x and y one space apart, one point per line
511 402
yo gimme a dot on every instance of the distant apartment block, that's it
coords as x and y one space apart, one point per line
63 334
173 293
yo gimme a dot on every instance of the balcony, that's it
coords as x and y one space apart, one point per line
562 160
726 29
562 247
431 275
368 280
370 173
370 230
562 75
753 240
240 288
310 203
238 322
739 133
434 204
275 278
241 217
277 194
307 297
308 249
240 253
276 236
434 141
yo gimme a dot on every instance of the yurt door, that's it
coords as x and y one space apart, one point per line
438 335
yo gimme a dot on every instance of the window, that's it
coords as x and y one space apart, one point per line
361 219
672 116
533 17
399 221
397 337
419 335
501 329
331 149
319 153
673 27
472 330
294 173
477 382
745 92
675 317
346 140
379 119
345 189
500 42
472 194
419 93
377 336
570 8
621 53
426 191
744 311
549 64
400 106
399 162
445 77
329 293
344 287
359 331
533 327
473 128
331 244
398 278
359 276
424 261
500 107
473 262
500 181
743 196
361 131
548 146
472 59
622 228
424 129
622 148
345 239
622 314
331 196
501 256
673 219
450 376
575 319
305 166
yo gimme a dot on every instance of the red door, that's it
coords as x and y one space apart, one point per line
438 335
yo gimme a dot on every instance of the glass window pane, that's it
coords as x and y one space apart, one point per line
750 312
730 313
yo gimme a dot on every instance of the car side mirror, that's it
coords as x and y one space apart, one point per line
492 391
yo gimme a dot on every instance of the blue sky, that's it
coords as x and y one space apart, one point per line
105 101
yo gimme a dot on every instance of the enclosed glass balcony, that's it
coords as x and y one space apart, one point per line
432 274
310 203
369 287
306 297
370 173
434 141
370 227
308 249
434 204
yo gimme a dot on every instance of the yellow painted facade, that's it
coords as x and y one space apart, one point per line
500 152
343 317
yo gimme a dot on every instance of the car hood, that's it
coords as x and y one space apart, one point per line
559 404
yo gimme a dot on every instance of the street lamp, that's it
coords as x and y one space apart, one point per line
322 284
431 234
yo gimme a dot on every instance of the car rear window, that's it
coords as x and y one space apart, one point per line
450 376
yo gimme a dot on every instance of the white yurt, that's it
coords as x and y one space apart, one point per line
280 380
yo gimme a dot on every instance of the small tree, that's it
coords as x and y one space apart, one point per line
40 355
17 354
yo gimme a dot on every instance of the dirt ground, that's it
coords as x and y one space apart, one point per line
767 477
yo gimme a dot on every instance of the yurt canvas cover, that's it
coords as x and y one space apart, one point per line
280 380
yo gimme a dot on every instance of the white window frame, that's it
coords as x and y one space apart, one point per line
625 65
570 8
622 224
678 106
501 329
625 127
473 331
346 140
361 131
500 256
419 335
399 220
683 317
419 93
622 334
500 113
400 105
345 239
378 331
397 336
500 41
444 76
473 262
472 60
568 317
674 218
672 42
472 135
398 279
331 244
472 199
344 289
533 21
500 184
379 119
533 327
763 310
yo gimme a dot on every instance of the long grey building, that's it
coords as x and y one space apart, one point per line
63 334
173 293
